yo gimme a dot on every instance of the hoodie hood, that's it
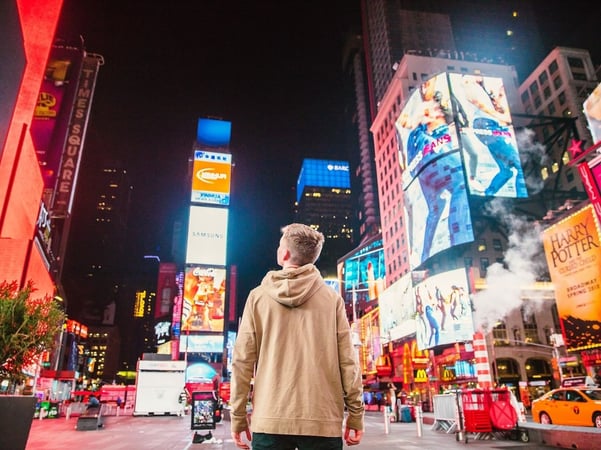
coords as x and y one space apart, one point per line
292 287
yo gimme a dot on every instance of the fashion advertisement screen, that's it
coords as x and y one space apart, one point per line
397 310
592 112
443 310
487 136
436 209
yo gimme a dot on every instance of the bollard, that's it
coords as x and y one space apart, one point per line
386 421
418 419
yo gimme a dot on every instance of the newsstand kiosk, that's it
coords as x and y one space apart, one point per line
204 407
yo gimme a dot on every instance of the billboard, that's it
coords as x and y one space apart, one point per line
166 290
323 173
211 178
213 132
363 277
443 309
207 236
204 299
487 136
66 178
201 343
592 112
573 250
590 173
433 180
397 310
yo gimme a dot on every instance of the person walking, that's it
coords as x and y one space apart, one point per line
294 339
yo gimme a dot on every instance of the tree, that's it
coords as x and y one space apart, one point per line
28 327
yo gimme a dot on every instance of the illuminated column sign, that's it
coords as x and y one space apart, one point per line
211 178
69 167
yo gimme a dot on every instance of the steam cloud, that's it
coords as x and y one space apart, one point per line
524 262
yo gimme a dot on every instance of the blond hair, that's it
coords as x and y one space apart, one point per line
304 243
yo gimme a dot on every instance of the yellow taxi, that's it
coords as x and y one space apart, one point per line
577 405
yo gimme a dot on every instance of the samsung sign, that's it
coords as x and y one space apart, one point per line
207 236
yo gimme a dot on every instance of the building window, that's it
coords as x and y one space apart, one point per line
533 88
537 102
575 62
496 244
530 327
482 245
499 334
553 67
483 266
557 82
543 77
468 261
552 109
525 97
562 98
547 92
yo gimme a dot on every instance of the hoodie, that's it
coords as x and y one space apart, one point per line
295 339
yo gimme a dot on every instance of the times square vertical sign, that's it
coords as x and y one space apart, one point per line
71 157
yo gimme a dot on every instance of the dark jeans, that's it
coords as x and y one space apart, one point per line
263 441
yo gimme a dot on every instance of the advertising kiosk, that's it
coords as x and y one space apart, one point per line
158 388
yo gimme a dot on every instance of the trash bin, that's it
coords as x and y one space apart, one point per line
405 413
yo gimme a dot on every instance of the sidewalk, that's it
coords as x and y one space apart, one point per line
174 433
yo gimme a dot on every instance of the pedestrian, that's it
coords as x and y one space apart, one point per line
295 340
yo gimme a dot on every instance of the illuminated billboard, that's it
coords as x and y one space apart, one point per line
592 112
487 136
443 309
204 299
323 173
166 290
363 277
436 207
207 236
213 132
397 310
573 250
201 343
211 177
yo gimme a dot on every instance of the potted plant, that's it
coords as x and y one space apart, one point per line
28 327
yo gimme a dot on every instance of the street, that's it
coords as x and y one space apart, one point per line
174 433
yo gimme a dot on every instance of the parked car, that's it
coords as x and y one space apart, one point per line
576 405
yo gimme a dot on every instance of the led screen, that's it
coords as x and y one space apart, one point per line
592 112
397 310
213 132
201 343
323 173
443 310
363 277
207 236
204 299
211 177
436 205
487 136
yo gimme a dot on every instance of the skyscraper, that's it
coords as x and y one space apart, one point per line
323 195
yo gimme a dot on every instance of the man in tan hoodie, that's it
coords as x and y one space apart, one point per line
295 341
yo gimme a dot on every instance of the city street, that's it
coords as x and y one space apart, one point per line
174 433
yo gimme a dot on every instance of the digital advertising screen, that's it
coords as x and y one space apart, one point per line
363 276
201 343
592 112
436 209
443 309
397 310
213 132
166 290
432 176
573 250
211 178
204 299
487 136
207 236
425 128
323 173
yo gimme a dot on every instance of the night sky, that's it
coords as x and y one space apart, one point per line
272 68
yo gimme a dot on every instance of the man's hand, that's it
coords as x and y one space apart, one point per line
352 440
238 439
